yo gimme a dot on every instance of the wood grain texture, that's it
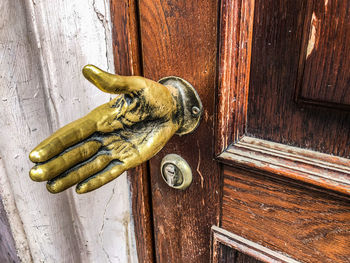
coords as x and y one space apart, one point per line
325 50
13 216
142 213
226 254
125 32
330 172
229 255
272 112
236 30
309 225
127 61
306 224
8 251
229 247
179 38
44 46
243 258
23 118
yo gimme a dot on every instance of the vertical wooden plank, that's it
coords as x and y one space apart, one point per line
43 47
8 251
180 38
228 52
24 120
81 32
13 216
142 213
235 43
127 61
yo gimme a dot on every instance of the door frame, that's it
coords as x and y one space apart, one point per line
128 61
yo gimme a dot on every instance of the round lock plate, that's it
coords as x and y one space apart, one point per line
176 172
190 101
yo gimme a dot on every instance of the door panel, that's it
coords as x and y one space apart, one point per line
179 38
325 50
310 225
276 51
257 86
264 125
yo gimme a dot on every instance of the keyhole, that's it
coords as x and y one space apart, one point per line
173 175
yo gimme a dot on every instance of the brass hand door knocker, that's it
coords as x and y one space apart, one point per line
118 135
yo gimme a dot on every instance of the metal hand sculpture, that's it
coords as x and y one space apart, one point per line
118 135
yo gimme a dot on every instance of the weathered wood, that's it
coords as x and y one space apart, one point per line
236 30
43 47
330 172
179 38
235 42
245 250
307 224
325 50
256 207
142 213
13 216
22 120
272 112
226 254
8 251
243 258
127 61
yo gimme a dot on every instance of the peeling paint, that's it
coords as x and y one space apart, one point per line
52 41
126 222
15 221
312 35
326 5
106 28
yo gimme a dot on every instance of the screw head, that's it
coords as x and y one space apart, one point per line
195 110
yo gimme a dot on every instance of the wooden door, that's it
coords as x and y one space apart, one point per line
270 159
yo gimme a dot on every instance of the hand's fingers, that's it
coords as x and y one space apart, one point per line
58 165
111 83
128 155
75 175
62 139
124 151
112 171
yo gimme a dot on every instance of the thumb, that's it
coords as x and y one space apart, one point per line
105 81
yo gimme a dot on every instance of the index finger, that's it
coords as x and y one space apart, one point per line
112 83
63 138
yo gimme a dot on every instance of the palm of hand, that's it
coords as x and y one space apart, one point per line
114 137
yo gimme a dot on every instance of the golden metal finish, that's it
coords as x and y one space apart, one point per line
176 172
118 135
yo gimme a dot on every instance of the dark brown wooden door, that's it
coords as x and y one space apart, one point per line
270 159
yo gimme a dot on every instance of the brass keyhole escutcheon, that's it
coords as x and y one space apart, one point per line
176 172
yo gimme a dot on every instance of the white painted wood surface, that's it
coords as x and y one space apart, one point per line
43 46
